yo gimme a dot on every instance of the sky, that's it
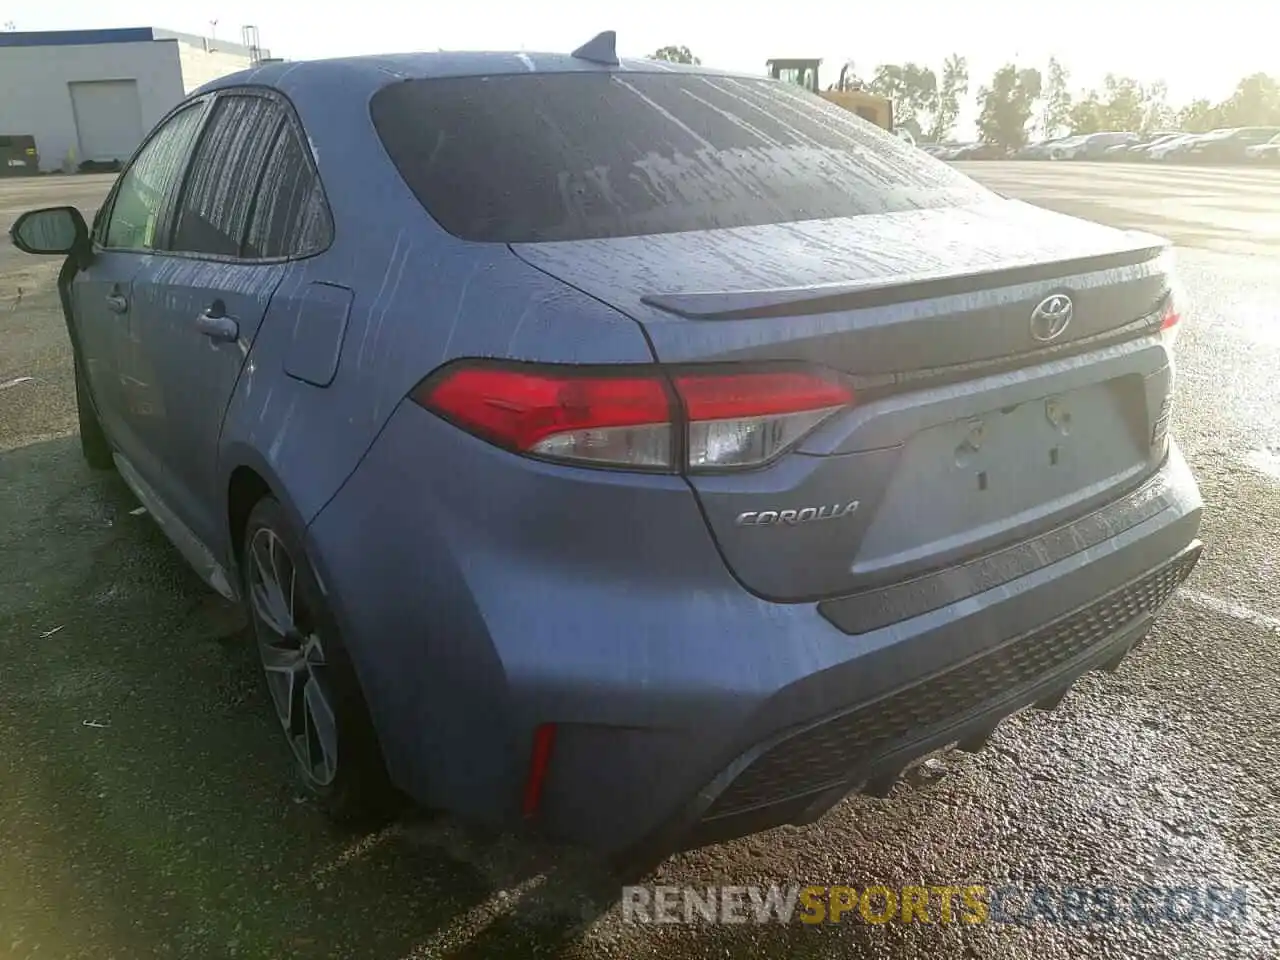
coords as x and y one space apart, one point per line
1199 49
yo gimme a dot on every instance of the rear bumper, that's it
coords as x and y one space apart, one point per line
798 775
688 710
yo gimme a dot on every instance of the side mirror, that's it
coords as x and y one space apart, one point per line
51 230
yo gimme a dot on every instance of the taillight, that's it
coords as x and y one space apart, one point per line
614 420
1171 317
635 417
747 419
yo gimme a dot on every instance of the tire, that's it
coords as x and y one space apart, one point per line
93 441
308 674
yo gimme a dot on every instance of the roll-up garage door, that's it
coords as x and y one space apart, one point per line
108 118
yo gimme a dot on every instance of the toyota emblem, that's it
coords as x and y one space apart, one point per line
1051 317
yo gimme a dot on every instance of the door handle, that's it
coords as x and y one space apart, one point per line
117 303
219 328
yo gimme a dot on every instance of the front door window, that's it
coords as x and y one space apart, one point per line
144 186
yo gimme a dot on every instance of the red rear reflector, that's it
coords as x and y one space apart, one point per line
1171 318
544 739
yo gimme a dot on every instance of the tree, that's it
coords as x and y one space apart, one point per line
955 84
1160 116
1255 103
1006 106
1126 103
912 88
1199 116
1087 115
1056 112
676 55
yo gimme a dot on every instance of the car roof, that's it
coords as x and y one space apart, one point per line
375 71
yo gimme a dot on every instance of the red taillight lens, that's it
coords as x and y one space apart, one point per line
618 420
629 418
736 395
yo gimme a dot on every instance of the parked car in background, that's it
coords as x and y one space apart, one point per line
18 157
1226 146
1167 149
979 151
1090 146
1268 152
939 150
1062 148
1137 150
642 512
1038 151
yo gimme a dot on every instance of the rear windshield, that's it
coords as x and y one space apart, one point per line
572 156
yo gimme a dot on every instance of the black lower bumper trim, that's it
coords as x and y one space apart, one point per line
824 753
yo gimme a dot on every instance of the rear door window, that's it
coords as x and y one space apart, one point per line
290 217
531 157
217 197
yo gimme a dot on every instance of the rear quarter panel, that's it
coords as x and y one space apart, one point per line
418 297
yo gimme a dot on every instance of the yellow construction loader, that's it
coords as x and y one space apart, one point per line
846 93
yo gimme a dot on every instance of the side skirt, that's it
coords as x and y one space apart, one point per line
189 545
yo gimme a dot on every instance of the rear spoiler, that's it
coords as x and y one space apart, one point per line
858 295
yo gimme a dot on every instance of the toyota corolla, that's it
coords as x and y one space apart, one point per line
647 455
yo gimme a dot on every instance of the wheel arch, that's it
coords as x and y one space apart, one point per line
247 477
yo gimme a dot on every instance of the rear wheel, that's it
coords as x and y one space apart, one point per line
93 442
309 674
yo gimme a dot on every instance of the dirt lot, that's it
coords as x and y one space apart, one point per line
145 810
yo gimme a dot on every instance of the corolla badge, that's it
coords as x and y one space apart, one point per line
770 518
1051 317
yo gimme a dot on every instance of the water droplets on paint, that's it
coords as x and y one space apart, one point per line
1266 460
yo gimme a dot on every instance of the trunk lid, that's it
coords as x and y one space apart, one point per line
867 294
969 432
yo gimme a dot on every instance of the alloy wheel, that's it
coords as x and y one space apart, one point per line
293 657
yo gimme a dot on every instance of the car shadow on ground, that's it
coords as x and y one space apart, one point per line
145 803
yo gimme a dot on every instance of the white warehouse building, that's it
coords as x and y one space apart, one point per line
93 94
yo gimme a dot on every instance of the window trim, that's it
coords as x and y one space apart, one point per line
290 118
108 207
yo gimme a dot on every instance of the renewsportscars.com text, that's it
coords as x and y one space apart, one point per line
959 904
